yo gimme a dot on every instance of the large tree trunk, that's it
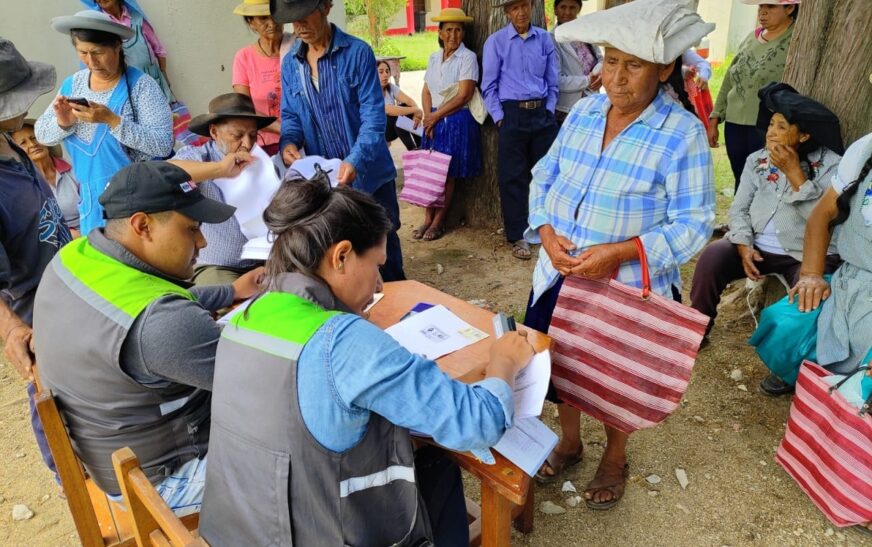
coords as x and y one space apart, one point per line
477 201
829 59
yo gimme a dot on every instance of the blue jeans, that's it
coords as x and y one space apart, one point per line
183 489
39 433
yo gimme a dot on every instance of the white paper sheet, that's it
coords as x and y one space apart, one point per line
531 386
306 167
250 192
408 124
257 248
527 444
435 332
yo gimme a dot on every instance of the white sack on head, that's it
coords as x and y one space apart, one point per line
658 31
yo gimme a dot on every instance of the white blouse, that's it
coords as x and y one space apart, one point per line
462 65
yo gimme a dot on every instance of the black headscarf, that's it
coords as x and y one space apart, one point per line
811 116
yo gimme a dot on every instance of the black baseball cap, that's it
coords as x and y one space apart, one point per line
158 186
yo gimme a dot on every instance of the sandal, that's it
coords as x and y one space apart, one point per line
615 483
419 232
521 250
432 234
558 463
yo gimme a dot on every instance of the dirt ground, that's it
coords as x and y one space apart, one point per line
723 436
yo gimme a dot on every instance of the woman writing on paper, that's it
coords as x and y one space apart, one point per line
323 425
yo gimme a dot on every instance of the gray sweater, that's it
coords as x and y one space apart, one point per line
174 339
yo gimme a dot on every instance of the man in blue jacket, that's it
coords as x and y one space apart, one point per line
332 105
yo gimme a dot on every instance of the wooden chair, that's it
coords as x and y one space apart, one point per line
154 523
99 521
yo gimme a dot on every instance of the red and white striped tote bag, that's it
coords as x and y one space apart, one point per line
621 355
827 449
424 174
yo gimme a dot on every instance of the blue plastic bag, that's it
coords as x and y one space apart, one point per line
786 337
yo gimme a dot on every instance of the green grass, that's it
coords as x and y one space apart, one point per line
417 48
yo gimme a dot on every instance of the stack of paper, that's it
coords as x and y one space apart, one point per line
527 444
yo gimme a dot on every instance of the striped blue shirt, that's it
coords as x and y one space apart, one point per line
325 99
654 180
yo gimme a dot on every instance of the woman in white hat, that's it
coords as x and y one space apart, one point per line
146 52
108 114
257 67
630 163
449 126
759 60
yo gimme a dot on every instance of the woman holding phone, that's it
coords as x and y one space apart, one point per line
107 115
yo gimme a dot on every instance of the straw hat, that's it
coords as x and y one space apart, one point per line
91 20
252 8
452 15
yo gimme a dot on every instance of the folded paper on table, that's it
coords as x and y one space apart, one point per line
306 167
250 192
435 332
527 444
409 125
531 386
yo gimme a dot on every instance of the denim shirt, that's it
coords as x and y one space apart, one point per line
351 368
361 104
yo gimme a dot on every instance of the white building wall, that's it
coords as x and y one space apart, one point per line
201 38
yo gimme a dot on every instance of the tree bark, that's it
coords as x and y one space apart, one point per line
477 201
829 59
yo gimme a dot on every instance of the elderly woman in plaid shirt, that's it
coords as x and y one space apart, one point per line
630 163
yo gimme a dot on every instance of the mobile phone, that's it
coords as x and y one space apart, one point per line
81 101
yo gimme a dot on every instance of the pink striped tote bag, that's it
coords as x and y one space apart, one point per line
623 356
827 449
424 174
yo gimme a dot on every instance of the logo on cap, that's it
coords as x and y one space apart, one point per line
186 187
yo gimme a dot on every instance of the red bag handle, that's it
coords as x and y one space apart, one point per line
646 275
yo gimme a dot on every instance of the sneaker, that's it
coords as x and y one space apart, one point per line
774 386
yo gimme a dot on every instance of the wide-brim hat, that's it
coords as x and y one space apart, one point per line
289 11
91 20
57 151
773 2
252 8
657 31
816 119
21 81
228 105
452 15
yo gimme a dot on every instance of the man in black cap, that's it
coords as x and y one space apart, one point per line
124 342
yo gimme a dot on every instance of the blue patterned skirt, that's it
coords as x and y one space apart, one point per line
459 136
